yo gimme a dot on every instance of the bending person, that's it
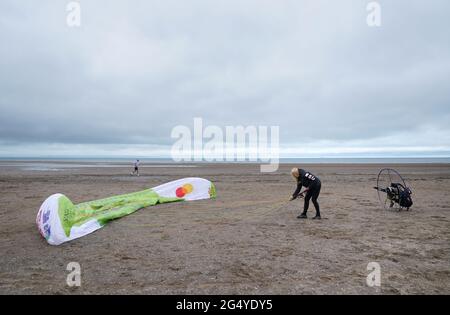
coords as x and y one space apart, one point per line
312 186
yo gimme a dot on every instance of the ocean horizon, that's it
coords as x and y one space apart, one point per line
308 160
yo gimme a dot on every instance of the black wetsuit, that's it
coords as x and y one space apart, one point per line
312 182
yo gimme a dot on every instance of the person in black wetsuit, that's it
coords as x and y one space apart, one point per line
312 184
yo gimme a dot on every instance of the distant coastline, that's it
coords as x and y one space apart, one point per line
326 160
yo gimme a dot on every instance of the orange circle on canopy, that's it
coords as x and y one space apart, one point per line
188 188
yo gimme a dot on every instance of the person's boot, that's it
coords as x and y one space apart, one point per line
317 217
302 216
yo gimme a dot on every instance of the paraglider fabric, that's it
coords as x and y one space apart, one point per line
59 220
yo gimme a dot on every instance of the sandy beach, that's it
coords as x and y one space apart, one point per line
247 241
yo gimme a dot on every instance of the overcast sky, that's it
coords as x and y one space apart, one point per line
118 84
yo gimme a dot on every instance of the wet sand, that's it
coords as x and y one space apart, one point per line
247 241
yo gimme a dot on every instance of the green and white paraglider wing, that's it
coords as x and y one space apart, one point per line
59 220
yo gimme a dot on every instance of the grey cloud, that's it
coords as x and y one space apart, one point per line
133 71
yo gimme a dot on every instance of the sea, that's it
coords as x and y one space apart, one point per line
60 163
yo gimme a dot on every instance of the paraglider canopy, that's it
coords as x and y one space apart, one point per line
59 220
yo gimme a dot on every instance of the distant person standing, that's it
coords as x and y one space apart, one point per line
136 168
312 186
